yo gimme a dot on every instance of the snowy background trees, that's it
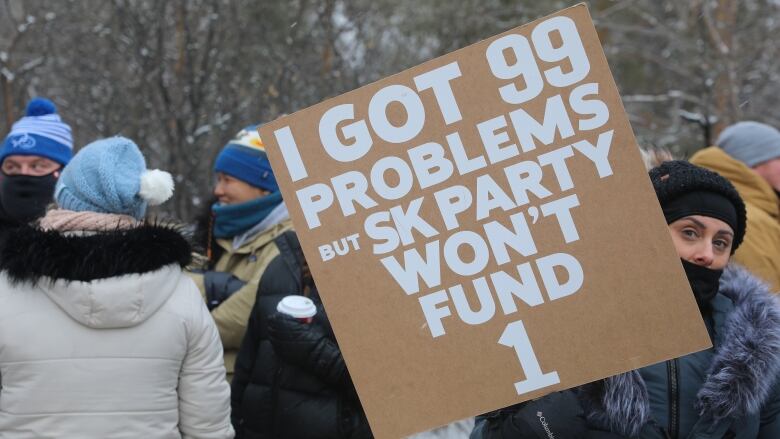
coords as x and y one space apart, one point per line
182 76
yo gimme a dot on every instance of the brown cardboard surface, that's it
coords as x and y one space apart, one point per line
633 308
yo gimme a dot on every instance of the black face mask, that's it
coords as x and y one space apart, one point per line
24 198
704 282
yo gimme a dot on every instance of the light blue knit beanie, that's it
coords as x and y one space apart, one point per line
110 176
750 142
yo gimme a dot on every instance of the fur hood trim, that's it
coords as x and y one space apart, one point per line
748 362
28 254
619 403
739 380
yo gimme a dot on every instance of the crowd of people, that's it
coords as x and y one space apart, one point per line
116 325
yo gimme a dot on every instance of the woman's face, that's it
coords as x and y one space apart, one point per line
703 240
230 190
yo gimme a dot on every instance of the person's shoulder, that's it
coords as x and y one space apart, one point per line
762 221
284 227
267 242
8 288
186 299
751 308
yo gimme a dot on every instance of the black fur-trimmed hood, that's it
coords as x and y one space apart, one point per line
114 279
28 254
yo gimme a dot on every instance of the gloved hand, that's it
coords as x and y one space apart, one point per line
558 414
219 286
306 345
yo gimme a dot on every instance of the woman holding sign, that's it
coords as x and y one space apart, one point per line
728 391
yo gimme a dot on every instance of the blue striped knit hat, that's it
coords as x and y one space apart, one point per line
40 132
244 158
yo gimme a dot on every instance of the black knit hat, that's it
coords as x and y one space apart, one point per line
675 179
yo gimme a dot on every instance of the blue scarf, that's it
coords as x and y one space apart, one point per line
234 219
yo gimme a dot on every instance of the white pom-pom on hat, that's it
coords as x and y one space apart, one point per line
156 186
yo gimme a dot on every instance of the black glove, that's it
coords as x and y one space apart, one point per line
558 414
219 286
307 346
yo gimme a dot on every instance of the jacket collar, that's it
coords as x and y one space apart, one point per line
752 187
745 367
259 240
28 254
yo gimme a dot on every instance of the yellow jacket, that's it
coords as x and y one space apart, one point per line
247 263
760 251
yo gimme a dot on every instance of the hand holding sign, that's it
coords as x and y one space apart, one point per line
467 223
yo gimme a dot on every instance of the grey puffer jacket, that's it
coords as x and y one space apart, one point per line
731 391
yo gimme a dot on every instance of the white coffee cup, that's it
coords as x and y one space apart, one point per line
299 307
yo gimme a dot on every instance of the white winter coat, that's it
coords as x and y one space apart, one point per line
129 356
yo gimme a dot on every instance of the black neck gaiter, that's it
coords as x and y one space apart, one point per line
704 282
24 198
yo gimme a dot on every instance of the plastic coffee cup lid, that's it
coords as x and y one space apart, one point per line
299 307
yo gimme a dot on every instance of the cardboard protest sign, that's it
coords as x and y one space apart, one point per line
482 229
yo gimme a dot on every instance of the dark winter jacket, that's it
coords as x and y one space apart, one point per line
7 225
292 385
729 391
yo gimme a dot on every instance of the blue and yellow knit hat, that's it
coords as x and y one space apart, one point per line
40 132
244 158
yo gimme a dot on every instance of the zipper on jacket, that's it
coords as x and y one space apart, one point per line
672 368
